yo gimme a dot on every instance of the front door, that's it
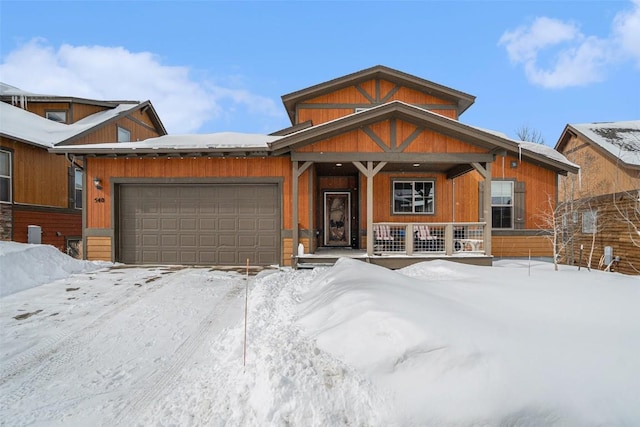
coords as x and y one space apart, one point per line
337 218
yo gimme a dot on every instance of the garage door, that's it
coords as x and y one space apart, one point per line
199 224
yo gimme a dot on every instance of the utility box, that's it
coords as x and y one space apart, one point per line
34 234
608 255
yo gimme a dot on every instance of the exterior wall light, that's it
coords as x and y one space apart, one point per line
514 164
97 182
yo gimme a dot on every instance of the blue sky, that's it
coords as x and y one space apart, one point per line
211 66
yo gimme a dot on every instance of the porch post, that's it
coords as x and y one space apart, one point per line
370 242
487 210
294 214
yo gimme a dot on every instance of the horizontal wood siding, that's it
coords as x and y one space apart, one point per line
98 248
600 173
519 246
287 249
39 178
52 224
614 231
99 214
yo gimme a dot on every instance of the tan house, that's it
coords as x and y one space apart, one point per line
41 192
603 203
376 165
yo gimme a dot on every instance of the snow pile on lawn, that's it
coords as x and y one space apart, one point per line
437 343
25 266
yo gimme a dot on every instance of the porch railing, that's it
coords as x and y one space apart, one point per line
451 238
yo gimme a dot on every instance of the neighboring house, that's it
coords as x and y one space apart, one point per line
603 204
38 188
375 164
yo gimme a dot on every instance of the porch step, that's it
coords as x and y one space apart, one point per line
314 264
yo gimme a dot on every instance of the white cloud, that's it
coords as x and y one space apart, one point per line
577 59
626 29
114 73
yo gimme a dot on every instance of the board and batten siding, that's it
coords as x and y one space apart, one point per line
99 216
39 178
332 106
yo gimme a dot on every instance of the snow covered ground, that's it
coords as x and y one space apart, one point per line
437 343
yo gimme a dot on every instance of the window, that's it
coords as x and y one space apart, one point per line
56 116
123 135
77 188
413 197
5 176
502 204
589 221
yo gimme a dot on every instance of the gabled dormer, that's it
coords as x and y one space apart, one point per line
370 88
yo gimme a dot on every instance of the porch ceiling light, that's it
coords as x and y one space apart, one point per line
338 164
415 165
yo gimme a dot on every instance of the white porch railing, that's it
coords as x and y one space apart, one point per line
415 238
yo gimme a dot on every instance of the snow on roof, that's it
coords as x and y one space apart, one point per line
192 142
8 90
533 147
621 139
23 125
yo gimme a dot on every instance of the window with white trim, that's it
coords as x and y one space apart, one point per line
502 204
5 176
56 116
124 135
413 197
77 188
589 221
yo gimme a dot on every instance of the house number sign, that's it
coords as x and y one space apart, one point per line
99 200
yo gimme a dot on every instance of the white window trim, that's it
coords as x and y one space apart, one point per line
590 221
75 189
119 129
47 113
8 177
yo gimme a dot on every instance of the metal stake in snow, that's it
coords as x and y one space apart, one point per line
246 298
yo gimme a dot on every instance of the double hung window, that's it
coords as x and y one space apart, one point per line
502 204
5 176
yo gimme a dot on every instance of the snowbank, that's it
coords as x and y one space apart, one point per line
25 266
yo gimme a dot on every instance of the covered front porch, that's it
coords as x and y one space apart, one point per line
397 245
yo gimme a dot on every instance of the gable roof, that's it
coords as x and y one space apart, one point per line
233 143
461 99
618 140
30 128
491 140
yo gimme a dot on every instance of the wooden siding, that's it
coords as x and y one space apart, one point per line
600 174
98 248
521 246
427 141
613 231
39 178
109 133
331 106
74 110
56 226
99 214
287 249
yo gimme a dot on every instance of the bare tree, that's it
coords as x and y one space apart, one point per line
526 133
